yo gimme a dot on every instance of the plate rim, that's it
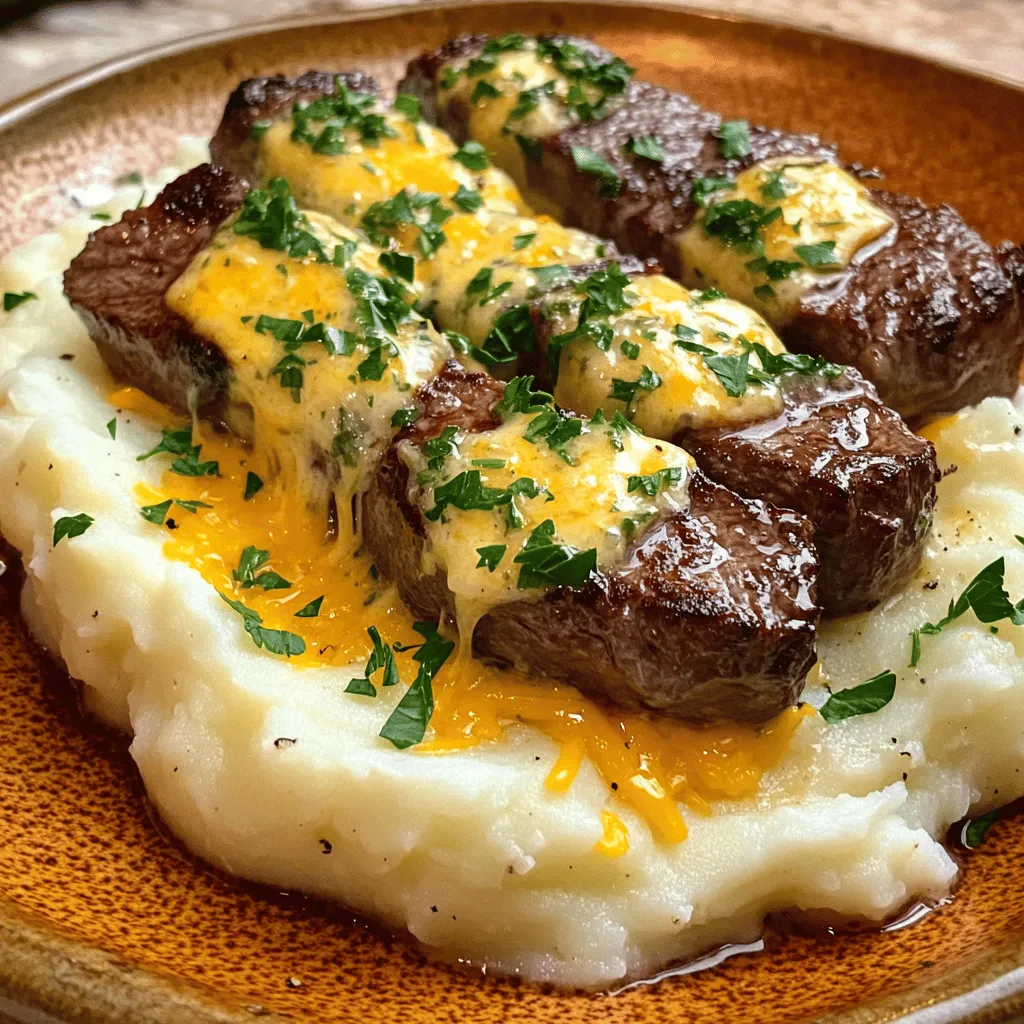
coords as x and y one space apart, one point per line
24 106
71 965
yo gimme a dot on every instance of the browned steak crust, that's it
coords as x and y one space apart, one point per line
933 320
850 464
118 282
711 616
262 99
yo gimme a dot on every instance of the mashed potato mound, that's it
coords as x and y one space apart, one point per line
276 774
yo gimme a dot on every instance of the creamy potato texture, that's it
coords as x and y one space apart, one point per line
254 760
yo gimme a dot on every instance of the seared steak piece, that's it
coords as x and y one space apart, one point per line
839 457
117 285
261 99
934 318
711 615
850 464
931 317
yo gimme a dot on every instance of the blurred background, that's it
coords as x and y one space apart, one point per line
41 42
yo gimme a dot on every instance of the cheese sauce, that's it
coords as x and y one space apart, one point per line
325 434
649 338
650 765
493 260
486 225
598 490
826 217
519 82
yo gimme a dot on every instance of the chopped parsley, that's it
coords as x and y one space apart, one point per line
404 417
483 91
647 147
587 76
864 699
605 296
14 299
627 390
439 449
381 657
322 123
468 493
519 396
112 428
422 210
311 610
467 199
704 187
156 514
253 486
557 428
398 265
821 254
409 106
272 217
733 140
586 160
250 561
472 156
529 100
546 563
522 241
985 595
277 641
71 526
490 556
408 723
735 372
657 482
976 829
511 334
179 442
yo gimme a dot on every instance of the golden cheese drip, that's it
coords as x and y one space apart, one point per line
651 765
324 436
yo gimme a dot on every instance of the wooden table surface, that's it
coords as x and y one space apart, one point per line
987 35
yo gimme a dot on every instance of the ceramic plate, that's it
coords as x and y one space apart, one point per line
103 918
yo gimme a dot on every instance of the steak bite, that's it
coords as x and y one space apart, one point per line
709 614
870 500
118 282
258 100
849 463
905 292
273 323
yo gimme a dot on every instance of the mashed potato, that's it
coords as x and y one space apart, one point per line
277 775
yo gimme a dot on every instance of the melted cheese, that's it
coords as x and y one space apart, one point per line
347 184
649 765
515 72
589 502
419 159
486 240
823 204
223 293
690 395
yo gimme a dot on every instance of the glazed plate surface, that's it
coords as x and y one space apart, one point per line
102 917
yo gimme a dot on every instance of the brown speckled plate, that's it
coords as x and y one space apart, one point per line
103 919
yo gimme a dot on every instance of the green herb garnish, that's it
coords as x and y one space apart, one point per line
865 699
